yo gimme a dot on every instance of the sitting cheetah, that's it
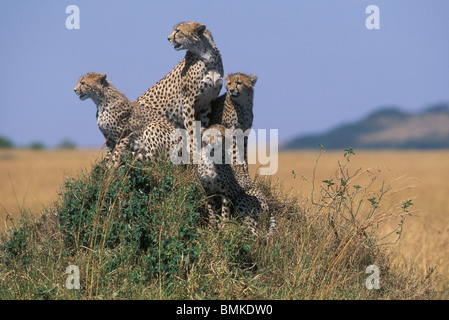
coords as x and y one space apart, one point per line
114 118
185 94
234 109
229 184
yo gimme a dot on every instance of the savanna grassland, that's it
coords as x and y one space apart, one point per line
326 202
417 175
31 179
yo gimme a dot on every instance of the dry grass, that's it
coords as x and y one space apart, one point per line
425 237
31 180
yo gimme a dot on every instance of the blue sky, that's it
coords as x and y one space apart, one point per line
317 64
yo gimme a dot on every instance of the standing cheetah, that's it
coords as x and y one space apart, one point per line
185 94
114 119
234 109
229 184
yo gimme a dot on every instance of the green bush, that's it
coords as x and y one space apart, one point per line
16 246
149 212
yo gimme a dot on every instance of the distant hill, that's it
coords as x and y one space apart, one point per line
387 128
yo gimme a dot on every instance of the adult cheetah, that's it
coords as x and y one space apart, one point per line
184 95
234 110
228 184
115 121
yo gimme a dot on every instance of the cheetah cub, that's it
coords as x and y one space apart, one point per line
113 108
234 110
229 186
114 119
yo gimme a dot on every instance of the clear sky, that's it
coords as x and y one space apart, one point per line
317 64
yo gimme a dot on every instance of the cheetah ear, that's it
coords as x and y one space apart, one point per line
103 78
253 79
200 29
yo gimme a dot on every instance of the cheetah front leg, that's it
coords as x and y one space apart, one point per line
225 210
249 211
191 126
237 160
245 155
120 147
211 210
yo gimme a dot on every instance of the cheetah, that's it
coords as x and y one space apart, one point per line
185 93
115 121
234 109
228 184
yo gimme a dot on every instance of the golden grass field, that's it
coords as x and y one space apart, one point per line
31 180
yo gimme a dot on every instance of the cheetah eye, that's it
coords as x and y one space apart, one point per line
239 83
229 83
82 83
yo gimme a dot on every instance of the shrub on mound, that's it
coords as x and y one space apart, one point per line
151 212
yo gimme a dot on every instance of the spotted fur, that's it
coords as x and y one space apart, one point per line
234 109
114 118
185 94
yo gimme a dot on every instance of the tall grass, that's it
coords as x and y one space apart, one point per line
139 231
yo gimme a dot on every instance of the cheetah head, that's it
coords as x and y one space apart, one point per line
240 86
189 36
91 86
214 140
213 135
